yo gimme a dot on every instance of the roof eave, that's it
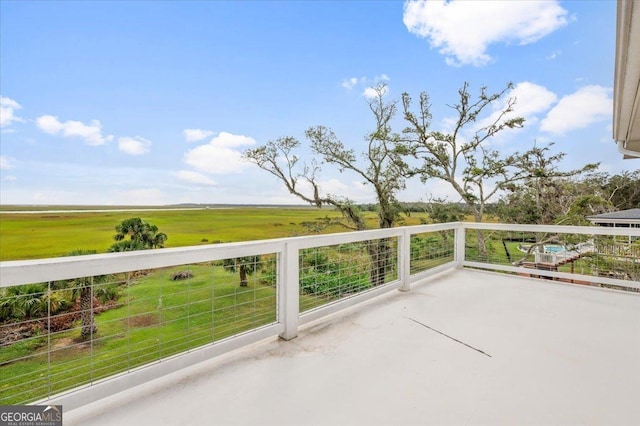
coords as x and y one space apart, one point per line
626 109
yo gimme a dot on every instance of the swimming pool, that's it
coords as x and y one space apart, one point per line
554 249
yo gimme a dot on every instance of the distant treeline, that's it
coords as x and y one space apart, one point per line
415 207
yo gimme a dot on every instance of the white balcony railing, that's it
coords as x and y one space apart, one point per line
152 312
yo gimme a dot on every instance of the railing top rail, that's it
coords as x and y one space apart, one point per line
564 229
41 270
310 241
433 227
17 272
355 236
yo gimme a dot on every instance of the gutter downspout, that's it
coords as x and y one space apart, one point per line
625 151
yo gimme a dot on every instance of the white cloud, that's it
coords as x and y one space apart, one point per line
463 30
194 177
350 83
49 124
8 108
578 110
354 190
134 146
9 103
6 163
194 135
554 55
225 139
91 133
371 92
531 101
10 178
433 188
219 155
368 92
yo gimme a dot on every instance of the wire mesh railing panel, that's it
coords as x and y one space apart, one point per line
67 333
61 335
431 249
330 273
496 247
595 258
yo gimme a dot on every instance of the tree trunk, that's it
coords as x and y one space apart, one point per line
379 254
243 276
86 313
478 212
482 246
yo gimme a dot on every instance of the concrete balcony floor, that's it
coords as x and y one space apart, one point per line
539 352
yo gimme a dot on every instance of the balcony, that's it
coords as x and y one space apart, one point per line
481 331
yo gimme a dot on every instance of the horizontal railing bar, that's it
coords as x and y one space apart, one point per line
16 272
53 269
373 234
134 377
419 276
555 229
435 227
346 238
553 274
341 304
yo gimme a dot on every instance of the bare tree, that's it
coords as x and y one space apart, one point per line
380 166
473 169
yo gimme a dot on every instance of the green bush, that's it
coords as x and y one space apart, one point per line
24 302
320 275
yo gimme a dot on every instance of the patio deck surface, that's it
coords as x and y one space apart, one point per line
525 352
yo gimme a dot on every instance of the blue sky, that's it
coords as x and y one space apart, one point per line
153 102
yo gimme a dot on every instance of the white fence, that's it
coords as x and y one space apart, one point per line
157 325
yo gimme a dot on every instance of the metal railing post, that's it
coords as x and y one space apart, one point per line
460 244
288 291
404 260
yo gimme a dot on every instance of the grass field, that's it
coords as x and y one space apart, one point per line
155 317
56 233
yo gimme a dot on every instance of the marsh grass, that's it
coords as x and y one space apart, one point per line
54 234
